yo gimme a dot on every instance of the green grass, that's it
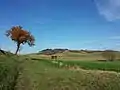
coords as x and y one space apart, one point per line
43 75
8 72
40 74
94 65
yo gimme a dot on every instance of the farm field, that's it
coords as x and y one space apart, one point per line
70 56
43 74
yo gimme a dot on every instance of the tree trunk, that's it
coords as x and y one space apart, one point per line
18 47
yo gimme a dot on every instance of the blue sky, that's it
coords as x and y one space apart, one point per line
72 24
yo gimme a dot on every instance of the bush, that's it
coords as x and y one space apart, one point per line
9 71
110 55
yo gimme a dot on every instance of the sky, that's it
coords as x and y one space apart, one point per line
71 24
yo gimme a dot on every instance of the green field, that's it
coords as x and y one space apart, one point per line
43 75
19 73
95 65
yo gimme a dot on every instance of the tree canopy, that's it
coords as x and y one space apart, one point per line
20 36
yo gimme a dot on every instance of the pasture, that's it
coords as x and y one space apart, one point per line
77 56
69 72
44 75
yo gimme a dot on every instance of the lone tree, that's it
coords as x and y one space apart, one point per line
20 36
110 55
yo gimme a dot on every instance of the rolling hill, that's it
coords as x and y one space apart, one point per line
65 54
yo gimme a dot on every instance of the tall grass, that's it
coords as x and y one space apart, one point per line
9 70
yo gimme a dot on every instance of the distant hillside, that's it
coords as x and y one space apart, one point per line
3 52
52 51
88 51
55 51
66 54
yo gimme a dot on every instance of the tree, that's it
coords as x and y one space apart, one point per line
109 55
20 36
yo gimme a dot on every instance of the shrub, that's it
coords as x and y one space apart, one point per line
9 70
110 55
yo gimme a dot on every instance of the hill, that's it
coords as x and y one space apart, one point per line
3 52
52 51
66 54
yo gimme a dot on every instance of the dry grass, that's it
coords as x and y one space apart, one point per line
74 56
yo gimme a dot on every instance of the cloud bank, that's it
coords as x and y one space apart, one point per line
110 9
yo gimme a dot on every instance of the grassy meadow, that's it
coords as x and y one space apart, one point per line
43 75
72 71
9 71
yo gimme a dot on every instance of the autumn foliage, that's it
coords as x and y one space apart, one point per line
20 36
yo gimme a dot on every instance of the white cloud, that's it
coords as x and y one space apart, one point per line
110 9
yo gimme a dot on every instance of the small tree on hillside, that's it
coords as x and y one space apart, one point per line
109 55
20 36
